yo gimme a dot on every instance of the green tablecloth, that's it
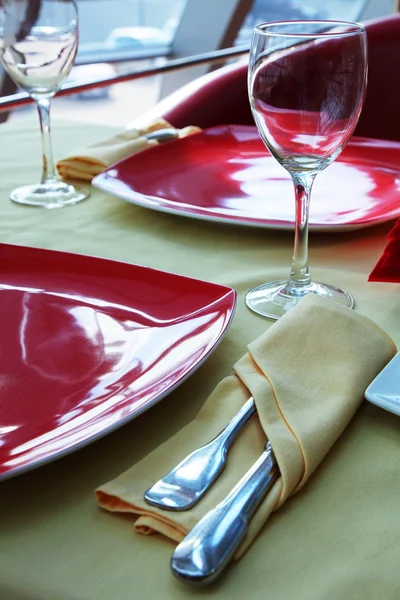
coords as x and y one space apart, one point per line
338 538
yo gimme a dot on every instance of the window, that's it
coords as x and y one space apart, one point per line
281 10
123 35
112 30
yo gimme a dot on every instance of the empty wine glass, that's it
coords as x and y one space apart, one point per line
39 40
307 82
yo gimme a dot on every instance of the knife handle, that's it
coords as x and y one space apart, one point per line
210 545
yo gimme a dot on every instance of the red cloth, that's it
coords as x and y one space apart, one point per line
388 266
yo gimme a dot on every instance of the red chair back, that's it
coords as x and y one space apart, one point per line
380 117
221 97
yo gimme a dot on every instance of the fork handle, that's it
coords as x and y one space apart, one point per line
183 487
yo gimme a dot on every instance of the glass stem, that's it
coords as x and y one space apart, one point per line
49 171
299 273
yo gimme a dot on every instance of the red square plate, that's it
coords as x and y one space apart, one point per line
87 344
226 174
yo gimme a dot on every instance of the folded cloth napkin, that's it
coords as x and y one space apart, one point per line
84 163
307 374
388 266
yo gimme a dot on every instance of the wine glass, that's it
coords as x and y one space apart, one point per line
38 41
307 82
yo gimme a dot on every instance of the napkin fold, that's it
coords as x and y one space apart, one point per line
388 266
307 374
85 163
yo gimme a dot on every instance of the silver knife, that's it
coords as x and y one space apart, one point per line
209 546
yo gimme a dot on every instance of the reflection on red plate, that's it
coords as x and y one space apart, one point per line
226 174
87 344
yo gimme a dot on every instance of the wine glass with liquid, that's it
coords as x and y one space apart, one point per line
307 82
38 41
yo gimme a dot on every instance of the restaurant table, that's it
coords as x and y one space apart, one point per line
57 544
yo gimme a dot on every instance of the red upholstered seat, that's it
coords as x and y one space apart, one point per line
380 114
220 97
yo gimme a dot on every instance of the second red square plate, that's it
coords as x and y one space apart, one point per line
226 174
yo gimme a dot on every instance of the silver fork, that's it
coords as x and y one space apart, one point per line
182 487
162 135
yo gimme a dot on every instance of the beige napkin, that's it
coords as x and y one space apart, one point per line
307 373
84 163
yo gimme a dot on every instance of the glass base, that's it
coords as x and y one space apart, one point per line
274 299
54 194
